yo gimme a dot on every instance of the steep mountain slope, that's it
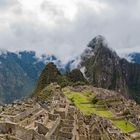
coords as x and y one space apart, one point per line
19 72
131 74
14 83
49 75
75 76
28 61
103 68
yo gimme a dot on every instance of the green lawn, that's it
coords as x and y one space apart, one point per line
83 103
124 125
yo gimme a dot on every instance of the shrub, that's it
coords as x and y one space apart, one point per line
126 112
94 100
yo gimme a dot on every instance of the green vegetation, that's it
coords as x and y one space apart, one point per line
62 81
94 100
124 125
83 103
82 100
75 76
48 92
126 112
49 75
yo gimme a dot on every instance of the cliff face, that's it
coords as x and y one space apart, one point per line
131 73
103 68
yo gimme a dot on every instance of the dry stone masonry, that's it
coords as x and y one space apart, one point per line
58 119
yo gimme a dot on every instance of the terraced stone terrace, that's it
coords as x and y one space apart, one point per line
124 125
84 104
109 106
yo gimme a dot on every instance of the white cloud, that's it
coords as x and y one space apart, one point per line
64 27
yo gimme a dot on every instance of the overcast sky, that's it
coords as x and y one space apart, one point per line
64 27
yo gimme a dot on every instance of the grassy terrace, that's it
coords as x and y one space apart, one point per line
82 101
124 125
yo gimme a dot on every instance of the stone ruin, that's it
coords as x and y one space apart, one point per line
29 120
56 119
33 123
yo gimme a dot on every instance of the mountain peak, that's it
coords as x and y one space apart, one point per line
98 41
104 68
99 49
48 75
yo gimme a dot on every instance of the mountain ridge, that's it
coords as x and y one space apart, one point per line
26 66
19 72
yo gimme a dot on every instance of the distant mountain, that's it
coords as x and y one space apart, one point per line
19 72
134 57
104 68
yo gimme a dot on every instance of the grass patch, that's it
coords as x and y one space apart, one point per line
82 101
124 125
104 113
87 93
83 104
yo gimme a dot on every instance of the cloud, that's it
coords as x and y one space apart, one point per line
7 3
65 27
